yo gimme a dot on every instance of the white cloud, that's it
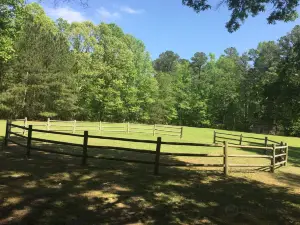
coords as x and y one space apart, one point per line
130 10
107 15
66 13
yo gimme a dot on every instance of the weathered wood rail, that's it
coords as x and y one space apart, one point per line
226 165
219 137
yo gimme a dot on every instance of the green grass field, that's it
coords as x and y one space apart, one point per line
54 189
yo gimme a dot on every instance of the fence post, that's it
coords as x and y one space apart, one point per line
29 141
25 125
181 132
74 127
287 154
266 144
266 141
215 136
241 139
48 124
225 159
157 156
85 144
7 131
154 128
127 127
100 127
273 158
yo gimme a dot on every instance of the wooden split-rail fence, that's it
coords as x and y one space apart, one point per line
226 165
107 127
278 153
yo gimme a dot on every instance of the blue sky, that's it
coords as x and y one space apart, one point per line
168 25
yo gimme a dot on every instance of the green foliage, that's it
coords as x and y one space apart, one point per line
10 13
198 61
166 62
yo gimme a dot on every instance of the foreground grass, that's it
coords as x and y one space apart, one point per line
50 189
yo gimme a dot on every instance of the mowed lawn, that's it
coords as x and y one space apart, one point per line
55 189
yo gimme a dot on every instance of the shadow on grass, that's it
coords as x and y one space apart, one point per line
294 156
290 178
49 189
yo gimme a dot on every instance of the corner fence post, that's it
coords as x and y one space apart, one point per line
225 159
7 130
215 136
286 154
85 146
157 156
273 158
29 137
241 139
282 151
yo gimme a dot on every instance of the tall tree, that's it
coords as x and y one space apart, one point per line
198 61
37 83
166 62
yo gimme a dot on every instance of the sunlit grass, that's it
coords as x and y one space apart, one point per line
190 134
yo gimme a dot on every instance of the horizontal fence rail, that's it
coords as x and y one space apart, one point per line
122 149
190 165
279 155
242 138
123 139
252 147
251 156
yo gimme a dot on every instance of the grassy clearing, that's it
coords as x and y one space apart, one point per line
50 189
190 135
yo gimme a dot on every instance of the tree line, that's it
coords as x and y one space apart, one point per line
95 72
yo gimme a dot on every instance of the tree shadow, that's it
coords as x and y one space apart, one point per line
290 179
55 189
294 156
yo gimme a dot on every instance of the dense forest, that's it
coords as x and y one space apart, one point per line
97 72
